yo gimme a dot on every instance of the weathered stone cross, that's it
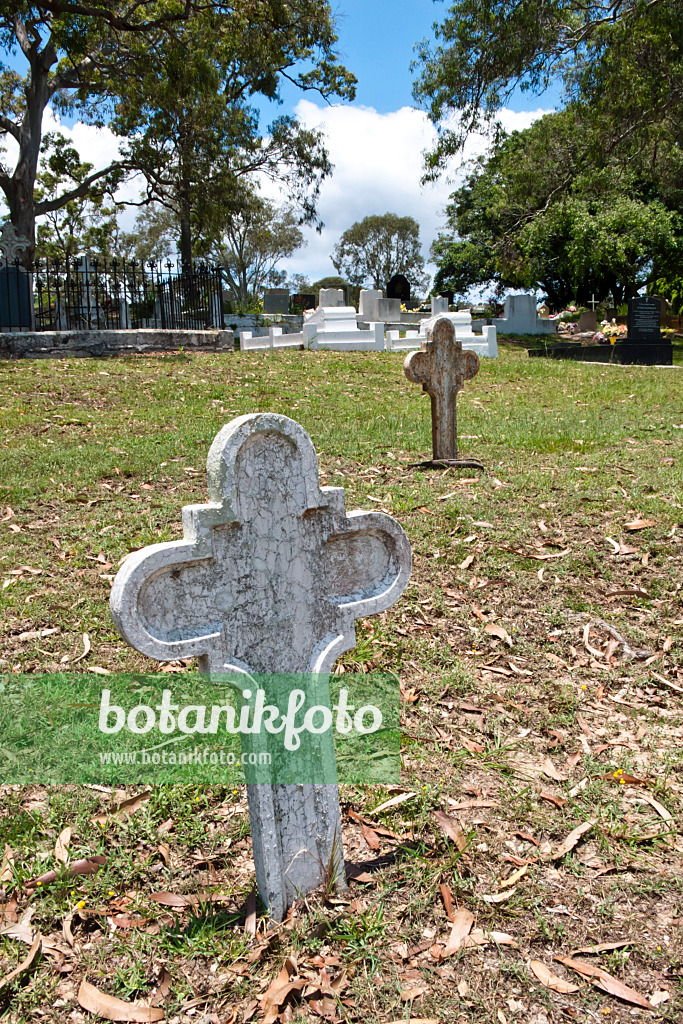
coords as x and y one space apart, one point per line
269 578
442 368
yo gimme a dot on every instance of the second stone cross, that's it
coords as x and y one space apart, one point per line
442 368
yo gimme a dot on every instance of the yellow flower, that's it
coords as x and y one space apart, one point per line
80 904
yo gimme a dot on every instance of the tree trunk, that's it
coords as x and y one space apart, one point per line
19 189
185 241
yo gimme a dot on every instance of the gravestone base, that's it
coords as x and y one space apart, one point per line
448 464
626 353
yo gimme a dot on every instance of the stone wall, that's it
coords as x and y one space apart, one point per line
46 344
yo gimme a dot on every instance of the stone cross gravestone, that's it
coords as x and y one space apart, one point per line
442 368
269 578
399 288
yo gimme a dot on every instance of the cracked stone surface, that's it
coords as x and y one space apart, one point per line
270 577
442 368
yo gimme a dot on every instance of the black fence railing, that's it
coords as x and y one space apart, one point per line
89 295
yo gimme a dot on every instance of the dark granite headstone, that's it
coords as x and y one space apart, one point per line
15 299
304 301
399 288
276 300
644 319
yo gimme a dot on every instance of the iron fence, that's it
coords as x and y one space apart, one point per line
90 294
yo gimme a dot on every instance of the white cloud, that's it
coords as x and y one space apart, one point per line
377 162
377 169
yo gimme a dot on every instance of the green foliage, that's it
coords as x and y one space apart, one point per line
153 237
190 125
176 80
372 250
551 208
624 61
82 225
254 240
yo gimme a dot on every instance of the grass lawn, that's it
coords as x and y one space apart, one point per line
541 661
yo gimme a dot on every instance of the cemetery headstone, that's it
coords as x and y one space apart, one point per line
304 301
331 297
644 319
276 300
16 299
269 578
439 304
442 368
520 317
588 321
399 288
367 303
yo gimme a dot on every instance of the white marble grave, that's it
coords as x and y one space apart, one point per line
439 304
336 329
373 307
269 577
520 317
273 339
484 344
331 297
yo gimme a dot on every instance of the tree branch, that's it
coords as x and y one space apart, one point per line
11 127
22 36
49 205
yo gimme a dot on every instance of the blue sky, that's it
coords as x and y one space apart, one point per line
376 43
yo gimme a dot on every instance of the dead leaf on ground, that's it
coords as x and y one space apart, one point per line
639 524
86 866
394 802
550 980
558 801
7 865
466 805
279 991
111 1008
86 649
410 994
499 897
462 925
602 947
63 840
452 828
498 631
474 748
370 836
447 897
25 964
602 980
250 921
514 877
571 840
127 806
467 562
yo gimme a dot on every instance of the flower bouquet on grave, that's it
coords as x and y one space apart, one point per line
610 331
